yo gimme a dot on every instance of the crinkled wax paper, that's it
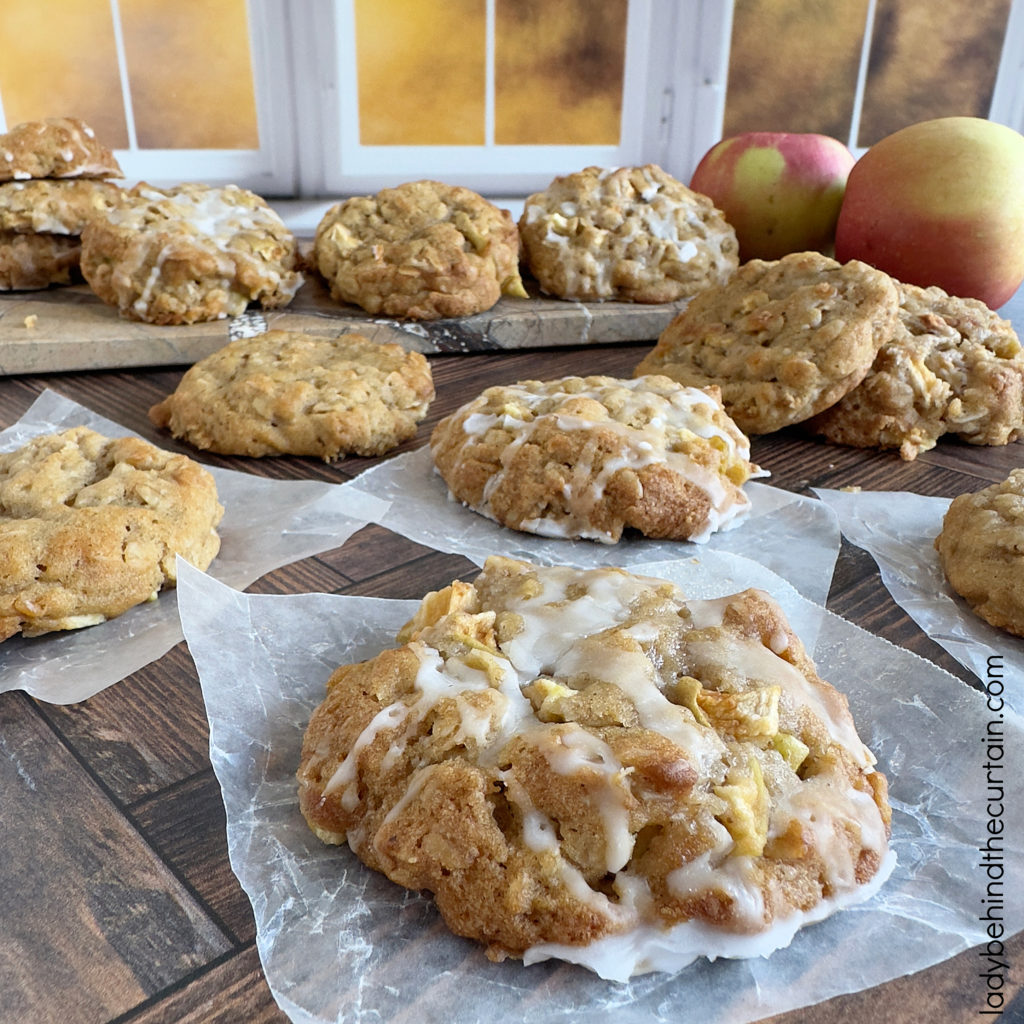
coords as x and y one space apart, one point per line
899 529
339 942
266 524
795 536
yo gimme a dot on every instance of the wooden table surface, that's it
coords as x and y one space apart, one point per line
117 901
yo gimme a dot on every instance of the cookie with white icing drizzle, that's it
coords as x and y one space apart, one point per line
632 234
190 253
591 456
583 764
55 147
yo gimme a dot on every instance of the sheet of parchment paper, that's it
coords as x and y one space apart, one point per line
339 942
266 524
795 536
899 529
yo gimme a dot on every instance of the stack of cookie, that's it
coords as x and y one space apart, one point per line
53 180
856 356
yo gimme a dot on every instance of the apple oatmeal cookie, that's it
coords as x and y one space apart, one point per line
55 147
981 550
783 339
591 456
952 366
37 260
633 233
584 764
423 250
90 526
284 392
189 253
59 207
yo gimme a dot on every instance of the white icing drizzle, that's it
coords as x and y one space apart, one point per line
646 948
714 869
344 775
574 750
757 662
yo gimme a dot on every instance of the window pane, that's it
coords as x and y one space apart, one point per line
952 72
58 59
558 71
421 72
793 66
190 73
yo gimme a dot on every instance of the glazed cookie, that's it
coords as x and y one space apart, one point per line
59 207
591 456
423 250
952 366
288 393
981 549
583 764
37 260
90 527
56 147
783 339
189 253
633 234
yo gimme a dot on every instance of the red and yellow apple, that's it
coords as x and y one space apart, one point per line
781 191
940 202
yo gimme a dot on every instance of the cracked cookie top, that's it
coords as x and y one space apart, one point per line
423 250
633 233
90 526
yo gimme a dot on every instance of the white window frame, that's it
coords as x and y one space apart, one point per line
332 161
270 169
304 73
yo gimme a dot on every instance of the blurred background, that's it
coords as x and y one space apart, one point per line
327 97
